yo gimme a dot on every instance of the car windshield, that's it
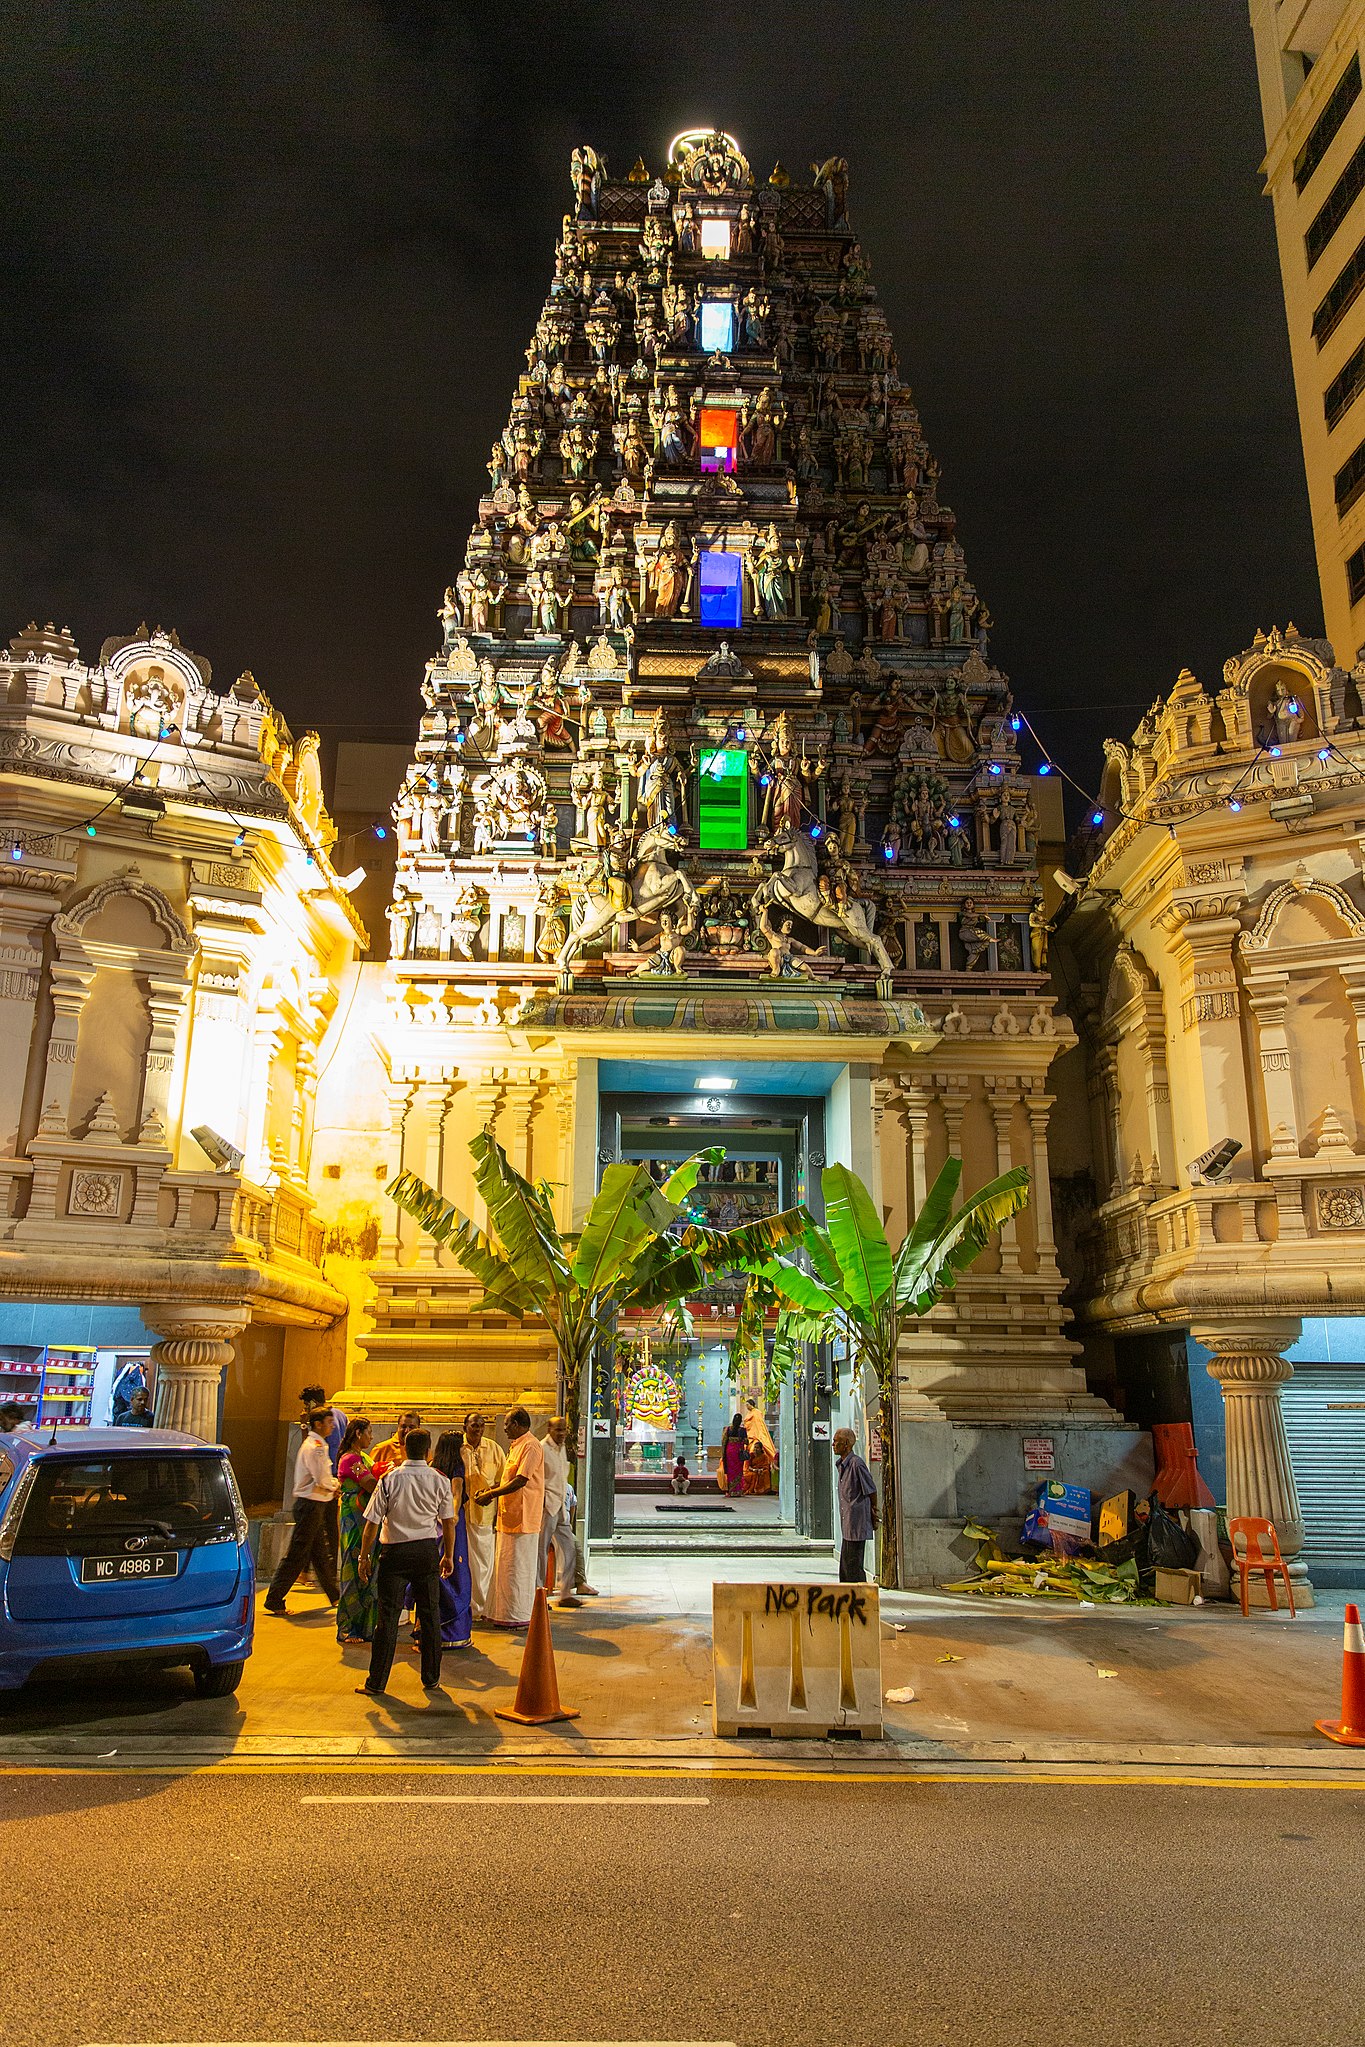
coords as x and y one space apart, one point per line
77 1504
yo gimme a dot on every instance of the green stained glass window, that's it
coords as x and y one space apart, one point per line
723 798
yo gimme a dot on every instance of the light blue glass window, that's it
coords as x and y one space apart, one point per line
717 327
721 588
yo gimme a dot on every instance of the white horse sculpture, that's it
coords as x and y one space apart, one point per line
796 887
654 886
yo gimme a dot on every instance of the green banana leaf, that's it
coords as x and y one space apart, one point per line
935 1270
616 1228
933 1217
503 1286
856 1233
800 1289
702 1255
525 1228
684 1178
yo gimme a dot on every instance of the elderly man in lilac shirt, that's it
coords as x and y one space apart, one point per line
857 1508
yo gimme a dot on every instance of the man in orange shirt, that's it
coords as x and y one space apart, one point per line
521 1509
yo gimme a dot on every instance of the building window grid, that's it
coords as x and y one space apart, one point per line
1324 130
1350 481
1336 206
1344 292
1345 387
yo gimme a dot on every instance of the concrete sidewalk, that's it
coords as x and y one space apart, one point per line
1030 1681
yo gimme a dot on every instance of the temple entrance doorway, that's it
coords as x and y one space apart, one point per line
685 1455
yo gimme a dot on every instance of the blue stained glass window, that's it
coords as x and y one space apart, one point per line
721 588
717 327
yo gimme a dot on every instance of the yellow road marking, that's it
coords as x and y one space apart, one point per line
987 1774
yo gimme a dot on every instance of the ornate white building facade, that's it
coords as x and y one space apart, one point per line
174 941
1215 963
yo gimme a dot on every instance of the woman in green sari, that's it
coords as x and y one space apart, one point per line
357 1603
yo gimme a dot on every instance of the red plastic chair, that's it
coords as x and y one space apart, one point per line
1254 1531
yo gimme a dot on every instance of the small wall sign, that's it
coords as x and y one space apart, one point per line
820 1432
1040 1453
601 1428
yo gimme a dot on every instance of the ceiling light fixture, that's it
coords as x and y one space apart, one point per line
712 1082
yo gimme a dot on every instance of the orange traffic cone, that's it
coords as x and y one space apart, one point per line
537 1697
1350 1729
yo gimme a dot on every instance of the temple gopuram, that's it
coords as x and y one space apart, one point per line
716 830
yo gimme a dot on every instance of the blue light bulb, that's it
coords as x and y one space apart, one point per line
1045 767
381 831
1097 817
996 768
1233 804
955 819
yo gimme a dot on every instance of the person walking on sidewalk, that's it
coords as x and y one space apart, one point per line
312 1543
483 1462
857 1508
555 1530
521 1510
412 1512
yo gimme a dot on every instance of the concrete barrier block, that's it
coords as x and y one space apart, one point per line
796 1659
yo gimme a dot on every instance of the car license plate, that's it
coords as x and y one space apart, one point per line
108 1570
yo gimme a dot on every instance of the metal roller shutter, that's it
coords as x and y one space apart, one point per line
1324 1419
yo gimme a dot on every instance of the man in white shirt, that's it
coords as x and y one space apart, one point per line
483 1462
412 1512
555 1529
315 1487
521 1511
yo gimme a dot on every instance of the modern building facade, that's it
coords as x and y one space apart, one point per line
1308 57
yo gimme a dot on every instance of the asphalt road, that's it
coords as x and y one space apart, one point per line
226 1907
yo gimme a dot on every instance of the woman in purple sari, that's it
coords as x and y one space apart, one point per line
457 1589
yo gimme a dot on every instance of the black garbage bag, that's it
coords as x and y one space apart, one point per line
1169 1546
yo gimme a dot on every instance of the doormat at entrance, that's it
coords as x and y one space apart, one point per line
690 1507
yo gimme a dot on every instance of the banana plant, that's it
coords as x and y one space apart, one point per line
641 1248
853 1289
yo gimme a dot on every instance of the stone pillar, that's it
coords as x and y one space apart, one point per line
398 1100
1268 995
166 995
431 1100
518 1107
1250 1369
70 986
917 1116
267 1036
1003 1094
952 1094
195 1344
1038 1105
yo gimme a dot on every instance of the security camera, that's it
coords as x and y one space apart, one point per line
225 1156
1213 1163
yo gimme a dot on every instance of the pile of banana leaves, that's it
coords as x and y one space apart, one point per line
1046 1576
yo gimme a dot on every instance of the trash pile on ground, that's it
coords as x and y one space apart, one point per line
1137 1554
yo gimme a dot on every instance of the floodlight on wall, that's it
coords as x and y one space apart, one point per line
347 882
1213 1163
226 1157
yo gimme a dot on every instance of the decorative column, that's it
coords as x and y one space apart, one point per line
267 1035
1249 1367
952 1094
1268 996
398 1100
518 1107
426 1156
1003 1094
71 982
484 1098
195 1344
166 997
1038 1105
917 1117
562 1095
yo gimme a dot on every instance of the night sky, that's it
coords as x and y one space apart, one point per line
269 270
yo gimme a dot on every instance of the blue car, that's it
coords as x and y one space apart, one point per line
122 1545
